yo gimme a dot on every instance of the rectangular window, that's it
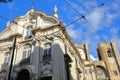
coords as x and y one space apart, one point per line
47 51
26 54
7 58
28 32
26 51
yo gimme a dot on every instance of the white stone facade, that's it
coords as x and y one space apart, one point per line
43 51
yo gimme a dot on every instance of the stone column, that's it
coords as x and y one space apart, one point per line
35 59
58 62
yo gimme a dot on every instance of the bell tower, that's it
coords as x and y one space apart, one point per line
108 53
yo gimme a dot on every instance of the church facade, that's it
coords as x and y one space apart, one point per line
44 51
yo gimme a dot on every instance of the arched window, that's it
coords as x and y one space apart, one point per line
23 75
109 53
26 51
101 73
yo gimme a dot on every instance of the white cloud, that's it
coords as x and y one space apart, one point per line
109 17
74 33
96 17
93 58
90 4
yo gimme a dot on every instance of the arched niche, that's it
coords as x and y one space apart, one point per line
23 75
109 52
101 73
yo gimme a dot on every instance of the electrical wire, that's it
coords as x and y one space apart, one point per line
101 5
62 14
4 18
72 7
94 30
73 22
76 12
31 5
12 21
82 16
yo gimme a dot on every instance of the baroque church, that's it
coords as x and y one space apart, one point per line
36 46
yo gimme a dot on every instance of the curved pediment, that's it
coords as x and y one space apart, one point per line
45 21
41 19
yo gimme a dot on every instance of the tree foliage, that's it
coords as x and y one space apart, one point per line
5 1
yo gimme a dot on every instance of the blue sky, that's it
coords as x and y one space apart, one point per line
105 20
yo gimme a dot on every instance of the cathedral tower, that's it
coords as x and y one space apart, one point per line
108 53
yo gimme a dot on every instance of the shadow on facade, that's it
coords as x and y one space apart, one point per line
35 68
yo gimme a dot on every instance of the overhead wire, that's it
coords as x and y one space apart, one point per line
4 18
81 16
63 17
12 21
94 30
84 17
61 13
31 4
72 7
101 5
73 21
76 12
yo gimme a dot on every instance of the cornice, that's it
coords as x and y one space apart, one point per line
10 37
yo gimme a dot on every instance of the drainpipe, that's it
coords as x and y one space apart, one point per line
11 63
